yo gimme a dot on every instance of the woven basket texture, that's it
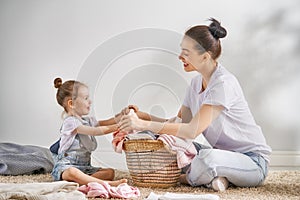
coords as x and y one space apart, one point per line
151 163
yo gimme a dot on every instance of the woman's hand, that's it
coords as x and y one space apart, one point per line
130 122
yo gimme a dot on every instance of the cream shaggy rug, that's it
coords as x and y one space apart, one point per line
278 185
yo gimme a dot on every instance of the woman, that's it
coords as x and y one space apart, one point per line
214 106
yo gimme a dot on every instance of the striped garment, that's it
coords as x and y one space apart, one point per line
185 148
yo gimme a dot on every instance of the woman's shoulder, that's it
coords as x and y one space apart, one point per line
222 75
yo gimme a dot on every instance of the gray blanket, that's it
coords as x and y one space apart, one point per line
24 159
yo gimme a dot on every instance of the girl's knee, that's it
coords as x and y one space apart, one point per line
105 174
70 174
110 173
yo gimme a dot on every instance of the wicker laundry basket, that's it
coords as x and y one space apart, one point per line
151 163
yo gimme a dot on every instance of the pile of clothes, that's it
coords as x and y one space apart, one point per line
184 148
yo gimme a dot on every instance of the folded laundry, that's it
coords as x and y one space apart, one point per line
41 191
185 196
142 135
106 191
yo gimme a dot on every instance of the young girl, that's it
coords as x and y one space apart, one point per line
77 141
214 106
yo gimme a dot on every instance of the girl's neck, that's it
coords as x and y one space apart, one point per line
72 113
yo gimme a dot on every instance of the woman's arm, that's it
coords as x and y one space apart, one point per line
108 122
141 115
99 130
148 117
190 130
185 114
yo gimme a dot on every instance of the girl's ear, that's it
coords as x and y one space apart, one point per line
70 103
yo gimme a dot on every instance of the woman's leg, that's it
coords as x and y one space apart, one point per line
74 174
238 168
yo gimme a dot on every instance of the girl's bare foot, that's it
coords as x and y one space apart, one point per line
117 182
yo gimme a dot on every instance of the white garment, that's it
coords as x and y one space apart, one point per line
175 196
41 191
68 135
235 129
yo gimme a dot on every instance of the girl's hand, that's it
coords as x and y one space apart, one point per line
130 122
118 117
125 111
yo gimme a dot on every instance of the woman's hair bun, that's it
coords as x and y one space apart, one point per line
216 29
57 82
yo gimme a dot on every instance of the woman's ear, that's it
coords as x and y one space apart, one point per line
206 56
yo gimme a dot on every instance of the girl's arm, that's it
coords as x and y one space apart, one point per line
99 130
189 130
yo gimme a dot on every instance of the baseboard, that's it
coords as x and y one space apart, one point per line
285 159
278 159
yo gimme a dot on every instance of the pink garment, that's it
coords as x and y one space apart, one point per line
118 139
106 191
185 149
118 136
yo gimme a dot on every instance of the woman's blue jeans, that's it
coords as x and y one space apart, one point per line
243 170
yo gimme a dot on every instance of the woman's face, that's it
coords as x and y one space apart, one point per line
190 56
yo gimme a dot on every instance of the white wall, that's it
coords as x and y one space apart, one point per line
116 45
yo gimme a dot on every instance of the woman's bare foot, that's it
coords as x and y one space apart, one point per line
117 182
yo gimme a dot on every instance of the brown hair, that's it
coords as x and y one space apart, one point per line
66 91
208 37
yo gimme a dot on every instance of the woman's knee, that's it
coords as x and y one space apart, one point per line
201 171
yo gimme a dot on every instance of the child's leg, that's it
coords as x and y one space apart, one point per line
75 175
105 174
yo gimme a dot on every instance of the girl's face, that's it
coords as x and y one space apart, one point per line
81 105
191 58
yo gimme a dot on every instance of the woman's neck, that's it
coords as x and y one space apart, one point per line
207 73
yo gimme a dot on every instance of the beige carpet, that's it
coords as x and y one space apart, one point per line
278 185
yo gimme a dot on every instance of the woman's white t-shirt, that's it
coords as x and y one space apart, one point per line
235 128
